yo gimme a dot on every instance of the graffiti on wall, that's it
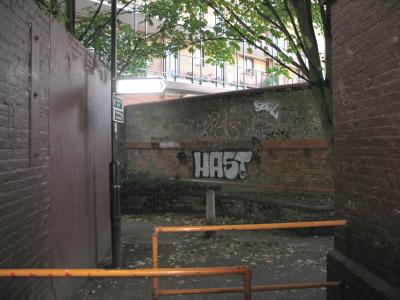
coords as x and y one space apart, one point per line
270 107
261 118
221 164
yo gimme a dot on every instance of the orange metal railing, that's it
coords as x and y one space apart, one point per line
163 272
274 226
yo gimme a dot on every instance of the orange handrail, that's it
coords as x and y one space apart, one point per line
256 288
243 227
164 272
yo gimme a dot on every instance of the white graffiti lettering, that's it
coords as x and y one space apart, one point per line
270 107
228 164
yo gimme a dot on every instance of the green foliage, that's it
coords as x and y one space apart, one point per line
179 24
262 24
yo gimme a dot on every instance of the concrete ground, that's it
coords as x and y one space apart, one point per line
274 257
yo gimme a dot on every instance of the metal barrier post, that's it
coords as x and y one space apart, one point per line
247 285
243 227
154 237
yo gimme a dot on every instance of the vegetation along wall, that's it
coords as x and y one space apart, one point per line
261 149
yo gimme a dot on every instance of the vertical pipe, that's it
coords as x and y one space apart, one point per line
115 208
164 63
237 72
145 34
201 62
247 284
192 68
223 75
176 65
154 238
216 65
70 15
210 212
216 75
201 52
244 64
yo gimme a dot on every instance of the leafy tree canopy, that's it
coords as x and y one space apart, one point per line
178 24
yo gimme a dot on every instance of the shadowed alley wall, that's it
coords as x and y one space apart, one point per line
366 66
54 151
275 134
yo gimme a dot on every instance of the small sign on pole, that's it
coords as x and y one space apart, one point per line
118 110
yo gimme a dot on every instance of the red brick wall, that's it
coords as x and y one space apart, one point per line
366 65
24 149
54 152
280 126
277 165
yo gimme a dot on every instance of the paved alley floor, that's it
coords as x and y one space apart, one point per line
274 257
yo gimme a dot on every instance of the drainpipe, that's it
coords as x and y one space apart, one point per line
145 35
115 203
70 15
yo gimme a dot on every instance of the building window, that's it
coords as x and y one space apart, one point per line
249 66
172 64
199 57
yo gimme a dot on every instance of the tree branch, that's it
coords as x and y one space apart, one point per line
91 21
89 41
303 68
254 44
288 35
126 64
292 21
130 57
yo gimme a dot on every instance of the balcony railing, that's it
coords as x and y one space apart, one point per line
195 70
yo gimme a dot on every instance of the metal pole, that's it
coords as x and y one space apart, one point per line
244 64
115 207
192 68
223 75
237 72
201 63
156 289
210 212
145 36
70 15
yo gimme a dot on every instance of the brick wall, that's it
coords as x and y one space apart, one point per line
366 65
24 148
44 134
279 126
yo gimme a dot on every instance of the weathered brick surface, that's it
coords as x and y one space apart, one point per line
279 125
24 201
31 217
366 64
284 136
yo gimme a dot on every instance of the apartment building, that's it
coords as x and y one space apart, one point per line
189 74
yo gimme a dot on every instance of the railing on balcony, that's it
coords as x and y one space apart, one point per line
188 69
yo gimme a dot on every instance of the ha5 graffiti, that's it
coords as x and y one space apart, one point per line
221 164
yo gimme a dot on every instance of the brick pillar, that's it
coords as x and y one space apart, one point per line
366 67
